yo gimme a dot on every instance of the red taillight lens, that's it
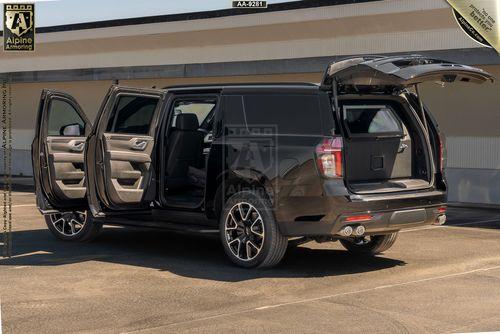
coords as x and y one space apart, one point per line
329 157
360 218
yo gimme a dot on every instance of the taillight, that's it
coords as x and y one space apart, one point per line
329 157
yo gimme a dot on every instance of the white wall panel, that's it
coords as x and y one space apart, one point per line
473 152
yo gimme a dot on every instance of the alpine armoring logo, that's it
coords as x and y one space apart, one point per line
19 27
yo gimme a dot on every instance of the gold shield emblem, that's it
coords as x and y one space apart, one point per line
19 19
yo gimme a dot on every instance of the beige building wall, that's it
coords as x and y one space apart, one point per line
366 28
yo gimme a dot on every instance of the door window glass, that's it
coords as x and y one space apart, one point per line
200 108
64 120
132 115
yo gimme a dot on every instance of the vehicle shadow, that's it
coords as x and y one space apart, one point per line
487 218
186 255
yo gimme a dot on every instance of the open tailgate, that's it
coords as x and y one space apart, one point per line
400 71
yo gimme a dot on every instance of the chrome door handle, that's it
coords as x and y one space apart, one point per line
76 147
139 145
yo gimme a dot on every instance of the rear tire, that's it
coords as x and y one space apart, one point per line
249 233
371 245
73 226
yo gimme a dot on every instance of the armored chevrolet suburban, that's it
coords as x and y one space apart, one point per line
353 159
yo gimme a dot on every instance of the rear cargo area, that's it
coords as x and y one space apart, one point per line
385 145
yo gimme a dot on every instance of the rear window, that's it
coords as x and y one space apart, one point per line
287 113
376 120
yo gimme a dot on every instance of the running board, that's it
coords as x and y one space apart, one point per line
175 227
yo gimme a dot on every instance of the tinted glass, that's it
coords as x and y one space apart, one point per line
289 114
61 114
372 120
200 108
233 115
133 115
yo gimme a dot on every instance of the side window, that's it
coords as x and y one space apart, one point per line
132 115
64 120
200 108
289 113
233 115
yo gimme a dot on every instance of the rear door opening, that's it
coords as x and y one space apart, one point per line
385 146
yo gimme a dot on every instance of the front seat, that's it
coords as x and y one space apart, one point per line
184 150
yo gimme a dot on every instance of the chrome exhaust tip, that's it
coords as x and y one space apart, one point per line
359 230
346 231
440 220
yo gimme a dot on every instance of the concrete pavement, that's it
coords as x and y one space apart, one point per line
435 279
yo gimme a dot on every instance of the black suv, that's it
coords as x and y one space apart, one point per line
354 159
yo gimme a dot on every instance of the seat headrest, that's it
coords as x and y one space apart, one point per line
186 122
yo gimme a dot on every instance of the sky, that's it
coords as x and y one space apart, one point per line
58 12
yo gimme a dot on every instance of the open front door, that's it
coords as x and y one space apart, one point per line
121 149
57 153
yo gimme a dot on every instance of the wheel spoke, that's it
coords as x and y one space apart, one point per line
240 210
239 247
230 244
233 220
72 226
250 209
253 245
252 227
248 250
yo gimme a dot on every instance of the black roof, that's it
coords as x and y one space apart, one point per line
250 86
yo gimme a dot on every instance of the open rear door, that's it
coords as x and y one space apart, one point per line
121 149
57 153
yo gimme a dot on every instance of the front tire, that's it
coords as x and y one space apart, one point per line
370 245
249 233
73 226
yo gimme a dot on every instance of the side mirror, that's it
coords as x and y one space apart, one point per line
74 129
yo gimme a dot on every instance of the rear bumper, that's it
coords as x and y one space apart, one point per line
389 213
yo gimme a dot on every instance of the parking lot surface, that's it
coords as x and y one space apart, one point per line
435 279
